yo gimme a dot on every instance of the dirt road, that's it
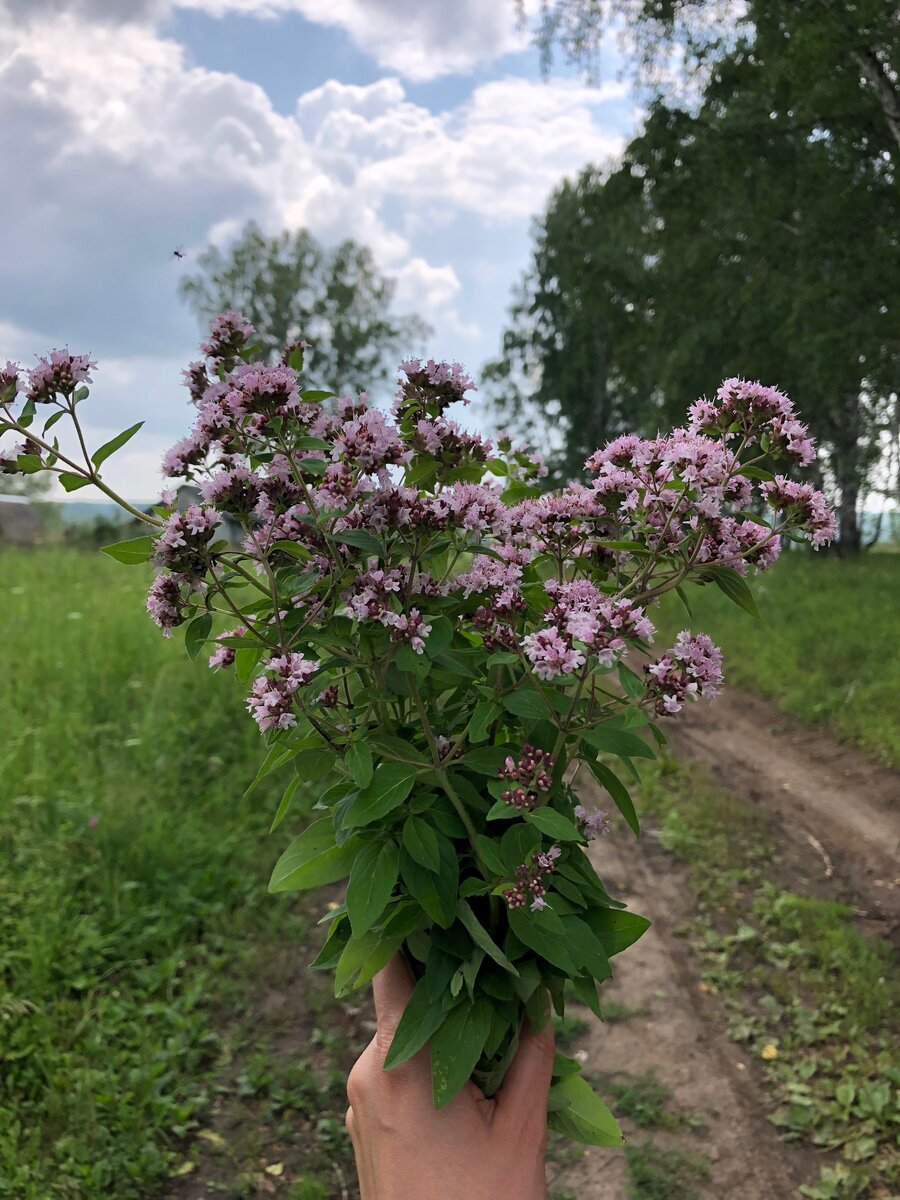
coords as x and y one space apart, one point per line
817 790
823 789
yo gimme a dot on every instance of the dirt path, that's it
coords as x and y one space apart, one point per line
823 789
677 1034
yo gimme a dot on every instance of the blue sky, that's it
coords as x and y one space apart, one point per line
420 127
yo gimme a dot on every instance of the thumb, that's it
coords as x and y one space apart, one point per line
527 1081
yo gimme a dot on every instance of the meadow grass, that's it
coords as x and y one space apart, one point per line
132 879
827 647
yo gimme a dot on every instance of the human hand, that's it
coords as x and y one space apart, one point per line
474 1148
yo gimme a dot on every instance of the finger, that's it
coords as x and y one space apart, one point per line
527 1081
392 988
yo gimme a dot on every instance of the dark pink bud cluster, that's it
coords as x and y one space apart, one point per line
805 505
196 380
271 700
690 669
531 773
750 410
223 656
58 374
530 878
169 597
329 697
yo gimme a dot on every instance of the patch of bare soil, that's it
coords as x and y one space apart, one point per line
826 792
677 1034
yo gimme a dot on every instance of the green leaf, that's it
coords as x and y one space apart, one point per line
361 539
632 685
482 938
372 880
517 843
313 859
312 443
526 702
71 483
196 633
484 715
582 1114
440 637
456 1048
608 740
135 550
358 761
544 933
501 811
314 397
245 661
313 765
486 760
397 748
421 1019
617 930
619 792
391 784
436 891
735 587
100 456
554 824
489 853
421 843
285 803
586 947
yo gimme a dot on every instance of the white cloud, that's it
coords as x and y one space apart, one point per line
126 151
418 39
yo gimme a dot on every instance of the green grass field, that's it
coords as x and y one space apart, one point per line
132 880
827 648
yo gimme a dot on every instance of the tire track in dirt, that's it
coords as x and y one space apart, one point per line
678 1034
821 788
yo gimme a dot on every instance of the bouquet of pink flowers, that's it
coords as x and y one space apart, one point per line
440 645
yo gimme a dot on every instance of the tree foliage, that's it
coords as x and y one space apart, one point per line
753 231
293 288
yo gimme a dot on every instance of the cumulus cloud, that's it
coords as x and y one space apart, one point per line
127 150
416 39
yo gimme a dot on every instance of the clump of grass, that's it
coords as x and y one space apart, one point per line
806 654
661 1174
644 1099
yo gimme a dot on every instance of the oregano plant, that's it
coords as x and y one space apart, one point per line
445 653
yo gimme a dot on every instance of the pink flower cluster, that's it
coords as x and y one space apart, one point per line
753 412
228 335
808 508
58 374
223 656
690 669
530 880
530 773
431 385
183 544
594 822
271 699
605 626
